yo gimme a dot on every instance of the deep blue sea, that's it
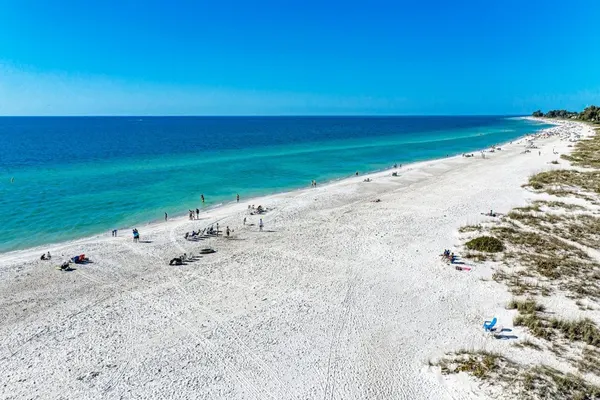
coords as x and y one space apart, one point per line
68 177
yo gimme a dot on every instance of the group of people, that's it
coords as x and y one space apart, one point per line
180 260
114 233
449 256
136 235
261 224
194 235
66 265
209 231
191 214
313 183
256 210
195 214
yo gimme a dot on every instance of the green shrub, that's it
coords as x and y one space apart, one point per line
486 244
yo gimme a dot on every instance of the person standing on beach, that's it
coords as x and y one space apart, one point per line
244 220
261 225
166 216
197 213
238 197
227 231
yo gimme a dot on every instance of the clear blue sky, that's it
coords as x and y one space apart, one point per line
305 57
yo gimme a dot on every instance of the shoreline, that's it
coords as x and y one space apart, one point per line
254 200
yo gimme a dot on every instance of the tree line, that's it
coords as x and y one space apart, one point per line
591 114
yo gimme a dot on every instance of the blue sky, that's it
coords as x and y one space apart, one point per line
305 57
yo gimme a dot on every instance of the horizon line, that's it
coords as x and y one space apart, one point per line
263 116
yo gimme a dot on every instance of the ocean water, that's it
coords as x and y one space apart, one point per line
67 177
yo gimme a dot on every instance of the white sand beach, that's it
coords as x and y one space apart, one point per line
339 297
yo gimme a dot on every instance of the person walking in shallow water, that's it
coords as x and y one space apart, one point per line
202 197
166 216
238 197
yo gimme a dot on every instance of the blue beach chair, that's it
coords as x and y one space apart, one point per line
489 325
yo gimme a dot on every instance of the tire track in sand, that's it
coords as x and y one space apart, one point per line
209 348
190 327
242 346
131 333
332 362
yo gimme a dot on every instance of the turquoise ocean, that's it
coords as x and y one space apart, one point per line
63 178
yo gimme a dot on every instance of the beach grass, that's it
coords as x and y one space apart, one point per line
528 343
470 228
557 205
531 315
589 361
480 364
480 257
567 178
549 383
583 330
525 306
586 153
537 382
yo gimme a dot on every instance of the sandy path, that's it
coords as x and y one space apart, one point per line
340 297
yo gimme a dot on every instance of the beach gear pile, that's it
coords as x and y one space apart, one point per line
80 259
